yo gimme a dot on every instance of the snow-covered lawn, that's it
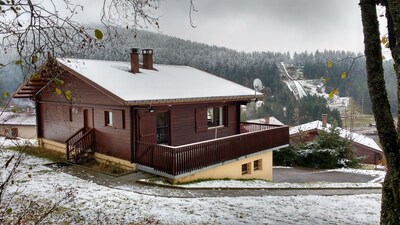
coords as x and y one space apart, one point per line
94 203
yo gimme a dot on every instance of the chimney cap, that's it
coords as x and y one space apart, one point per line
147 51
135 50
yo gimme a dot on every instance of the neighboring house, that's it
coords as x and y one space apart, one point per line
267 120
14 125
365 146
174 121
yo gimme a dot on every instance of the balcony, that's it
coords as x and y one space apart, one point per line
176 160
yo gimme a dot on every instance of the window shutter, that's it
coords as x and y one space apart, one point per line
118 118
147 128
67 113
201 120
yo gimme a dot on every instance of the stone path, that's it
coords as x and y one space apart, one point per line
128 183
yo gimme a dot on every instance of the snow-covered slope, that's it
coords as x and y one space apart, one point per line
300 88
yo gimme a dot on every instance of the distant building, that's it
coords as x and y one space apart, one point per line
14 125
365 146
267 120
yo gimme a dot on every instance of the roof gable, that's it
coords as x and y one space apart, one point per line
165 84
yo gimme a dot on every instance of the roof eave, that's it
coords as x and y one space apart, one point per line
192 100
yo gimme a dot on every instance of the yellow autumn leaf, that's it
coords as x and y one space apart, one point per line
330 64
68 95
384 40
344 75
58 81
331 95
336 91
98 34
326 79
58 91
36 76
387 45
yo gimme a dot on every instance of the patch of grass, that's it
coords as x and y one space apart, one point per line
108 167
200 180
40 152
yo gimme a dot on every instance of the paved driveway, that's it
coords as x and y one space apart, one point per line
302 175
293 175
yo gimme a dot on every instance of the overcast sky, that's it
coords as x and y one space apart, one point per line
265 25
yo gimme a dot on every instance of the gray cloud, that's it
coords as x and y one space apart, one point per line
275 25
259 25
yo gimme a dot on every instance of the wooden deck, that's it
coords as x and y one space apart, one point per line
175 160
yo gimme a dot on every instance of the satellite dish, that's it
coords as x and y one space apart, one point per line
257 84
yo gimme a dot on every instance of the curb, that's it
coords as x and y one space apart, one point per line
257 188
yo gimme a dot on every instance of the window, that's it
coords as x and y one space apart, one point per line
11 132
258 164
108 118
246 168
114 118
216 116
162 128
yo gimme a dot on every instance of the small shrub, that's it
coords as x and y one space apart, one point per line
327 152
285 157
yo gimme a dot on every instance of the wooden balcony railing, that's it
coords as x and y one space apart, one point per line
79 143
175 160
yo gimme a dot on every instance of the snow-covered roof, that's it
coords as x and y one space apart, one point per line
10 118
166 83
272 120
354 137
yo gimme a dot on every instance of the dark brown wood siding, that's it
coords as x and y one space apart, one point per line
59 119
188 123
112 141
82 92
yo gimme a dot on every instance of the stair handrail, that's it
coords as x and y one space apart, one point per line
69 146
83 136
77 145
74 134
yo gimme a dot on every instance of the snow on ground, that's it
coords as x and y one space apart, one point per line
259 184
99 204
379 173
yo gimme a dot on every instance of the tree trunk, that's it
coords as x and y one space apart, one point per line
390 209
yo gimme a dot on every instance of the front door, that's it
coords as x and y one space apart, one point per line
88 119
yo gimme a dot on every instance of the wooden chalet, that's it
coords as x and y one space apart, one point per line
365 147
174 121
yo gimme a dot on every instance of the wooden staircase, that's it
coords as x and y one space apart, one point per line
80 145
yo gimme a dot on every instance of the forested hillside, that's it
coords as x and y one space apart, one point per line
243 67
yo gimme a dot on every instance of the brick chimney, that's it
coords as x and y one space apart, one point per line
266 120
134 60
324 120
147 59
